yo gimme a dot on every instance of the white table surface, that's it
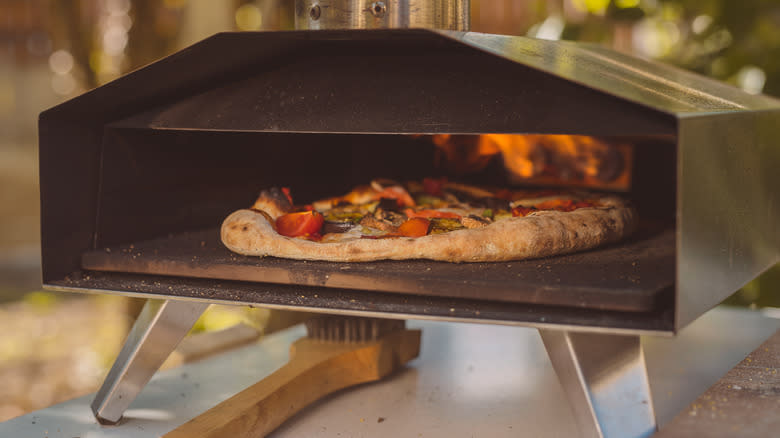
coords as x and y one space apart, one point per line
469 381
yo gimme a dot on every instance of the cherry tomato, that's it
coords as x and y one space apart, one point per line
414 227
430 213
399 194
433 186
301 224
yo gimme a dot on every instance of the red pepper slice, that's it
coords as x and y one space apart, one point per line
301 224
399 194
414 227
430 213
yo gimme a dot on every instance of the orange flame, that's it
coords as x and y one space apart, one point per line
542 159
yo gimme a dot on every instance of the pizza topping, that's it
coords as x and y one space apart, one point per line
521 211
430 213
302 224
343 216
439 207
380 184
414 227
377 224
445 225
336 227
402 197
429 201
474 221
392 217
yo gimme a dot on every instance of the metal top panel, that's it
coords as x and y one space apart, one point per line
652 84
368 14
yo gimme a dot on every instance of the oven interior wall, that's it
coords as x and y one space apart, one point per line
157 182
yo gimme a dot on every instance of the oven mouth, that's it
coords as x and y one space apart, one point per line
635 275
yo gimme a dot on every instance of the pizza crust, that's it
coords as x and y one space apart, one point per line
541 234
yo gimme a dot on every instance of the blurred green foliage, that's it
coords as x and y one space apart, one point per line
764 291
724 39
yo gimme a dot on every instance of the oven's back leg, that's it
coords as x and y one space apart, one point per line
605 380
155 334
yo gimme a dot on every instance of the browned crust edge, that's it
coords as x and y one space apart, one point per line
541 234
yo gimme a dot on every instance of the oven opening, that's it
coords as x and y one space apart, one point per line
164 194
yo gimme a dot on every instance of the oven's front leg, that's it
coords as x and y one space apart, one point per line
605 379
155 334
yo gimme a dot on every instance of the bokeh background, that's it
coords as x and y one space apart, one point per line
56 346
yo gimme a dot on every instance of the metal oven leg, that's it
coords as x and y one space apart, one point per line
155 334
605 380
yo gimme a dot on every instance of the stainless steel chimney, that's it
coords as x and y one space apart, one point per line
369 14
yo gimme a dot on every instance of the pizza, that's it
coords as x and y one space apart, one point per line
432 219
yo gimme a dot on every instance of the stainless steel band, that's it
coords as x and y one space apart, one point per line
371 14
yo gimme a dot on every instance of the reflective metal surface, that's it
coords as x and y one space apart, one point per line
728 201
653 84
370 14
155 334
605 380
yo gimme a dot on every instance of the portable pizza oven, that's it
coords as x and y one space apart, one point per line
137 176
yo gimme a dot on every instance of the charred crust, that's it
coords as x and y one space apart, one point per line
276 197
